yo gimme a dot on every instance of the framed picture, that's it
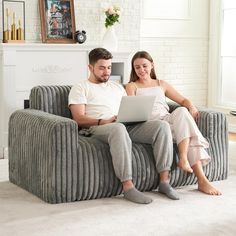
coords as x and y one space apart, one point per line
57 21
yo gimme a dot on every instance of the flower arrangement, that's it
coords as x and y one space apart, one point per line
112 16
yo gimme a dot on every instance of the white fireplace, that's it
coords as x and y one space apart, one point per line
24 66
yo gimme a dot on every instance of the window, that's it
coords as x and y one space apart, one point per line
222 56
228 55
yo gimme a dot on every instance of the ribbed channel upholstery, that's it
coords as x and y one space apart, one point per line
50 159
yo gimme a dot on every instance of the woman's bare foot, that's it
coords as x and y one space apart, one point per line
206 187
184 165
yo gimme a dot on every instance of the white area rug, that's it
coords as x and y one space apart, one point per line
23 214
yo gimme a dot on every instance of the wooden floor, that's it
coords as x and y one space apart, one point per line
232 137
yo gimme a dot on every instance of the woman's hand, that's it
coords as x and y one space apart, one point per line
194 112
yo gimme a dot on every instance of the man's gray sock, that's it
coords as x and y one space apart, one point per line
134 195
166 189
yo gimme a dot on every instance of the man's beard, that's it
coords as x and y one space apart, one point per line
101 79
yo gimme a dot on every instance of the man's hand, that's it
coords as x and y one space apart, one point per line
111 120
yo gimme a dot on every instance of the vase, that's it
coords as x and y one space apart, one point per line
110 41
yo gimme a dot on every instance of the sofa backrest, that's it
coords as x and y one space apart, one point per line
52 99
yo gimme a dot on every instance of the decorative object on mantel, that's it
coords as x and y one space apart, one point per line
57 21
13 14
80 36
233 113
110 41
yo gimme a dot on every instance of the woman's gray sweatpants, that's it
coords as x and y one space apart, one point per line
157 133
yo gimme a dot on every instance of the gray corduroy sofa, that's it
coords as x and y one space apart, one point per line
50 159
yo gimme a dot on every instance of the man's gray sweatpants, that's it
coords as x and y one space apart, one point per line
156 132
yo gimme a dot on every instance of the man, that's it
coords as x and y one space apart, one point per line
94 104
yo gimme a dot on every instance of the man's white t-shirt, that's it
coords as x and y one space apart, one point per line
101 100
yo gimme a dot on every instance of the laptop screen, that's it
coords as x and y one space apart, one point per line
135 108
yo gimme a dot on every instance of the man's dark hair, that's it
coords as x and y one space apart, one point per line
97 54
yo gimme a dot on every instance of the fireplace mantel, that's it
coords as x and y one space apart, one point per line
24 66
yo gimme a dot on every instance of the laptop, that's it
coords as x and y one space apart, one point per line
135 109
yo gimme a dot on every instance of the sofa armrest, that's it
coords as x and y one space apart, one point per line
214 127
43 154
213 124
210 123
172 106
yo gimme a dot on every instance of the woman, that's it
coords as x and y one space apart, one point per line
191 144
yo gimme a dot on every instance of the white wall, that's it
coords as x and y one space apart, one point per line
176 38
178 42
188 19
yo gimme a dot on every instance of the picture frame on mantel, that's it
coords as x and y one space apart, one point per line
57 21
